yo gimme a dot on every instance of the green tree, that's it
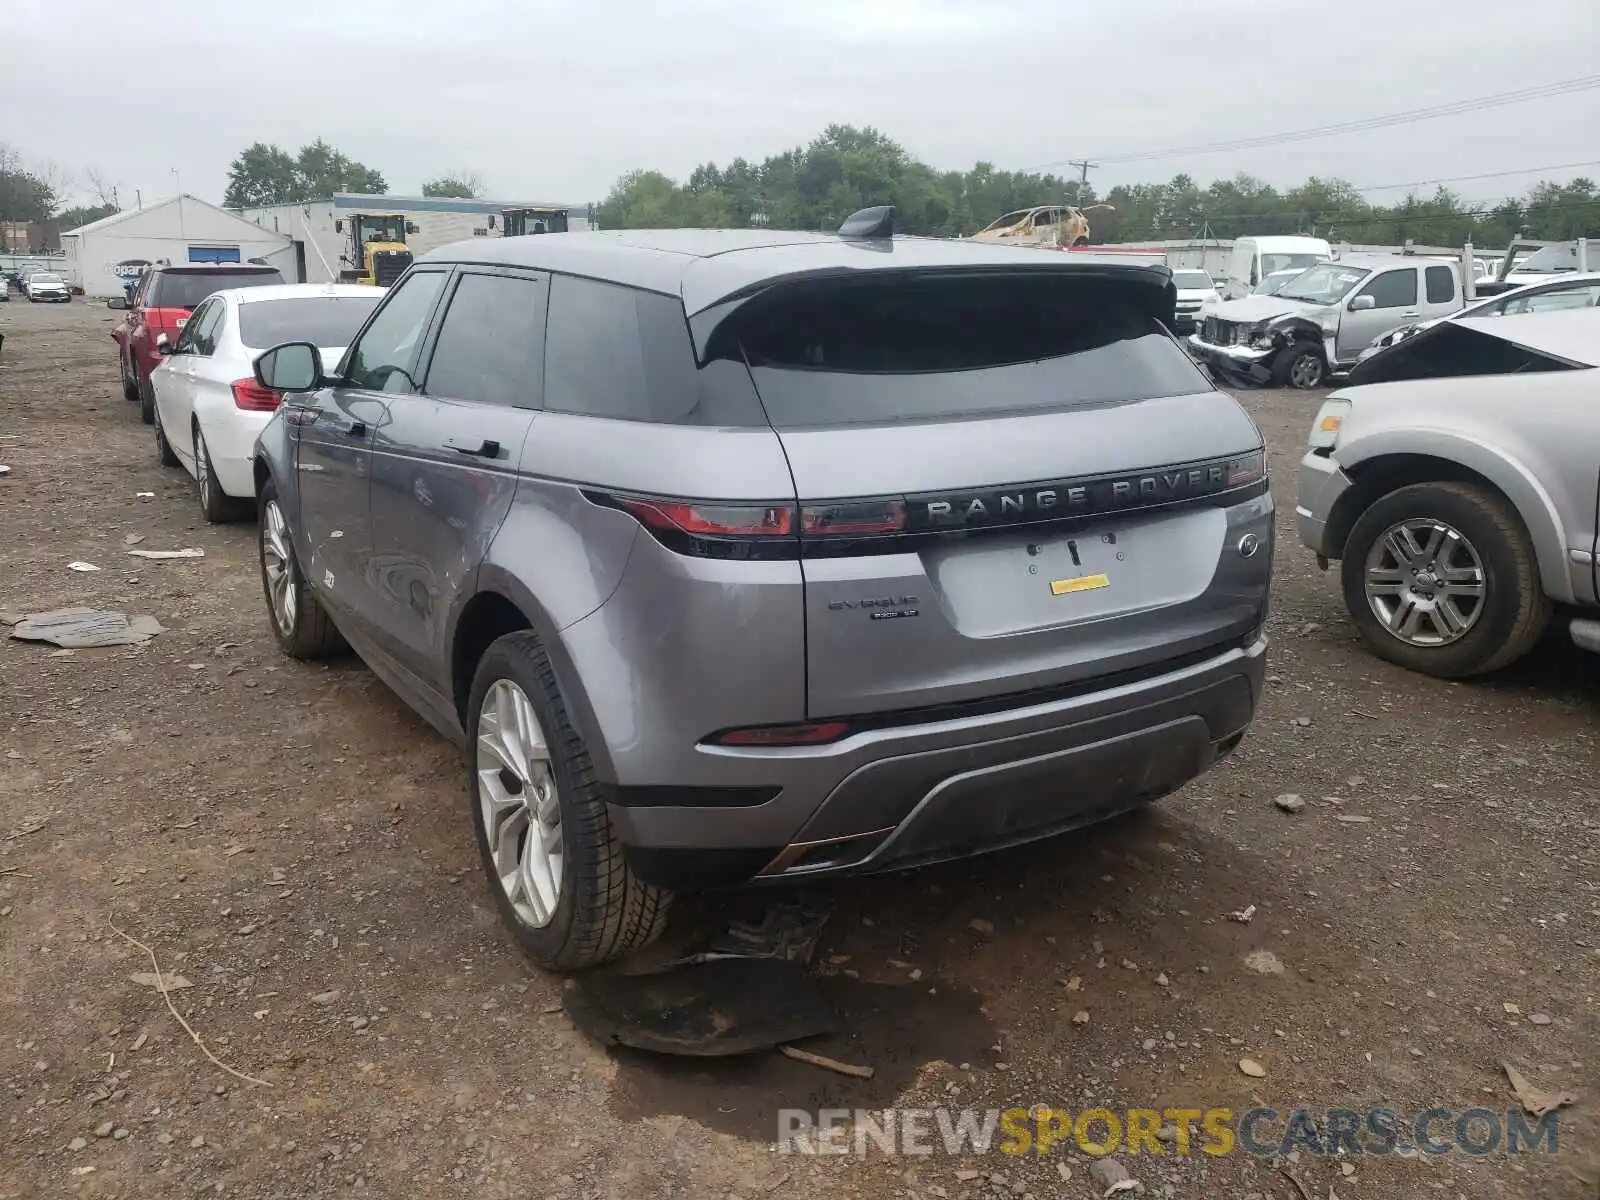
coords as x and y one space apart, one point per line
643 200
24 194
845 168
267 174
80 215
322 171
468 184
261 175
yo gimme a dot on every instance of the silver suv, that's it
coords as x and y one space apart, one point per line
736 556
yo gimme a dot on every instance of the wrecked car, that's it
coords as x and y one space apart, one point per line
1320 322
1045 225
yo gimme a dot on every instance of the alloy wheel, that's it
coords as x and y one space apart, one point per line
519 803
1424 582
278 563
1306 371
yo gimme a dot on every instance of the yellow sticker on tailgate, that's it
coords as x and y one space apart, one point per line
1083 583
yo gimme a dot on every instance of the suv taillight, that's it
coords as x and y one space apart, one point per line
713 520
252 397
714 530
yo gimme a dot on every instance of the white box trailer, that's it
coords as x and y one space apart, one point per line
319 231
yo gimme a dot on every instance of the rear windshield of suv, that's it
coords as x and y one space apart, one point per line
948 347
185 289
326 321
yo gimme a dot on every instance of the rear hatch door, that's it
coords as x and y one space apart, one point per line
1006 483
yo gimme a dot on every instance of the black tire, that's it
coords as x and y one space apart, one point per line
1513 611
163 448
130 380
311 633
147 402
215 505
1300 366
603 909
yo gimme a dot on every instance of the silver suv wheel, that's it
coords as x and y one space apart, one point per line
1425 582
520 804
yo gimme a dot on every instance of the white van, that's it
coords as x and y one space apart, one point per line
1254 258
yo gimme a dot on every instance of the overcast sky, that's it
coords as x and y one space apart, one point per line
555 100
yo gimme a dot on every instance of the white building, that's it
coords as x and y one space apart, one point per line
103 255
319 230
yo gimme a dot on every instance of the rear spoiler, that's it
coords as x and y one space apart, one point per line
1156 277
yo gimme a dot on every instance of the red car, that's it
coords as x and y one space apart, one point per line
161 304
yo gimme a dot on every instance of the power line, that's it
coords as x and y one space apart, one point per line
1409 116
1388 187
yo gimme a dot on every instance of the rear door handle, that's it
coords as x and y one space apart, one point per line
1411 314
484 449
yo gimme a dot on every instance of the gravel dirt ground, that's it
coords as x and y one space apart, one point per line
295 844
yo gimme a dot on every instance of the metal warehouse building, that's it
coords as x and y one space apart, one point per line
319 230
104 255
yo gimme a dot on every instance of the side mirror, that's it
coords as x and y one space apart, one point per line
291 367
1363 304
163 345
117 302
412 227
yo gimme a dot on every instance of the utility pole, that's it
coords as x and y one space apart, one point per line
1083 166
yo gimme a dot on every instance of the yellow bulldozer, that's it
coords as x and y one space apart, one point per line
377 253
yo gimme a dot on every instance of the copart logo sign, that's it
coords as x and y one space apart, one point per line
130 268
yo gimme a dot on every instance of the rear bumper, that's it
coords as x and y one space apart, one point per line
912 794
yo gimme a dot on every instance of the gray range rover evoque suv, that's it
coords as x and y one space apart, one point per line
747 555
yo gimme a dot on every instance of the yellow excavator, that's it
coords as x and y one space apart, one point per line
378 254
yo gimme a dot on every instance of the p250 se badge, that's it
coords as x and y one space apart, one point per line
879 608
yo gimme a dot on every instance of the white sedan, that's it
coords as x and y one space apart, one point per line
210 409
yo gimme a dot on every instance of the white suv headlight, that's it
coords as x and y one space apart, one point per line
1330 420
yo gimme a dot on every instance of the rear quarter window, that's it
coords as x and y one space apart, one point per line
624 353
945 346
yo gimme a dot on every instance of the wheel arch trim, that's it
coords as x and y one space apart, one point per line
1505 472
495 580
